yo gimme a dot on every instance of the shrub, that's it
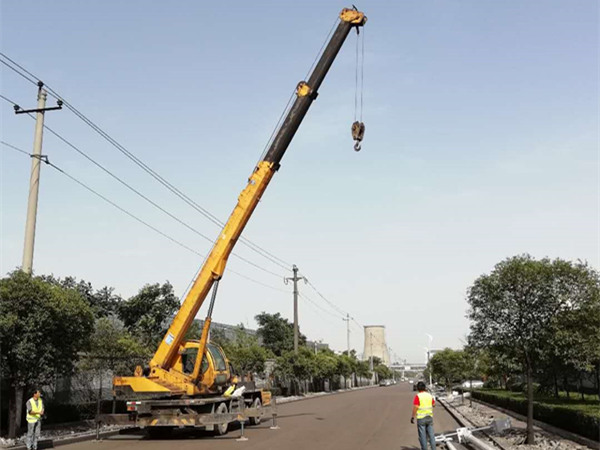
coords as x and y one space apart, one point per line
575 417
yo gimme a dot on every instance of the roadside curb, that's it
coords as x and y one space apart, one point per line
88 436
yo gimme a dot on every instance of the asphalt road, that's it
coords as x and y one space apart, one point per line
377 418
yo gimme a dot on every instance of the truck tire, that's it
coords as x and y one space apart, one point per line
258 405
221 429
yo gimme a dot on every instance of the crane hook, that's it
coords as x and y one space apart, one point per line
358 133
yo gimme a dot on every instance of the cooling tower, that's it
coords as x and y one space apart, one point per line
375 344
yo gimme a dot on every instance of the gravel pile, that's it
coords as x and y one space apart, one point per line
513 439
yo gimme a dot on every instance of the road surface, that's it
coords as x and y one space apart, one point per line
377 418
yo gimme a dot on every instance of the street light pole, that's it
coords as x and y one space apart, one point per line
429 357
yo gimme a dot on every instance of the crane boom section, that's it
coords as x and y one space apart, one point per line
214 265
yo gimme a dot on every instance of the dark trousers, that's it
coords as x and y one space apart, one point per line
425 427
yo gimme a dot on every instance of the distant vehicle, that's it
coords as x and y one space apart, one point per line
473 383
385 383
411 381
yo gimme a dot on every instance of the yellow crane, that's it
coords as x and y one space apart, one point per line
185 382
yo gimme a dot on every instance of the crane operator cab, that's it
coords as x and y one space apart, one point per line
215 374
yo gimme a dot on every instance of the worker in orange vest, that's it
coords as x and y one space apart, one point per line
423 404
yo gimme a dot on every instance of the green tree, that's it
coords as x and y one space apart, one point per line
113 348
514 310
43 327
447 365
277 333
363 369
296 367
147 314
244 352
574 346
104 302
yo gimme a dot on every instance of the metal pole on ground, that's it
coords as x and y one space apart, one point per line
274 417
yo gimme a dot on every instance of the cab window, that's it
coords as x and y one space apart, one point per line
217 357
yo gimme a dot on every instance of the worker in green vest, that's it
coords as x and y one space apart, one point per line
423 404
35 411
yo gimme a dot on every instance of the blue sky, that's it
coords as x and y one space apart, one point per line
481 143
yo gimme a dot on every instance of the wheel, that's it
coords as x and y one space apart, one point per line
221 429
258 405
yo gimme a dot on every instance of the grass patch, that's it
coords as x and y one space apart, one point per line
576 415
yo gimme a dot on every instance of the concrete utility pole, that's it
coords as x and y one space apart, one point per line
34 181
295 279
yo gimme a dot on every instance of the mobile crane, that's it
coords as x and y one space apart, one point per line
187 382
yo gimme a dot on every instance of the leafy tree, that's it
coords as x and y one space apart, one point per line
447 365
114 349
346 365
383 372
574 346
363 369
244 352
42 328
296 367
147 314
514 309
103 302
277 333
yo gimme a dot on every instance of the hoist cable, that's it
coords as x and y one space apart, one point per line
362 74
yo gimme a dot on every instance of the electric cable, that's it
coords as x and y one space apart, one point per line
255 247
133 216
154 204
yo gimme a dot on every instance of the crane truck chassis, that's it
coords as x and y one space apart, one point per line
208 413
191 383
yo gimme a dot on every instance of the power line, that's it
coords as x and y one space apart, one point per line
334 306
203 211
307 298
15 148
133 216
137 192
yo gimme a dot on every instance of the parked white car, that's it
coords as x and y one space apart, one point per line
473 383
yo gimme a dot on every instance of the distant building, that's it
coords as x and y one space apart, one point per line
314 345
375 344
230 331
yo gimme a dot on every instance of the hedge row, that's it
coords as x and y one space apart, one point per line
577 422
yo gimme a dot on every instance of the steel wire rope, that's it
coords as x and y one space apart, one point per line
137 192
362 74
203 211
133 216
287 106
320 52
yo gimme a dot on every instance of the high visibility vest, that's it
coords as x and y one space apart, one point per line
425 405
36 407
